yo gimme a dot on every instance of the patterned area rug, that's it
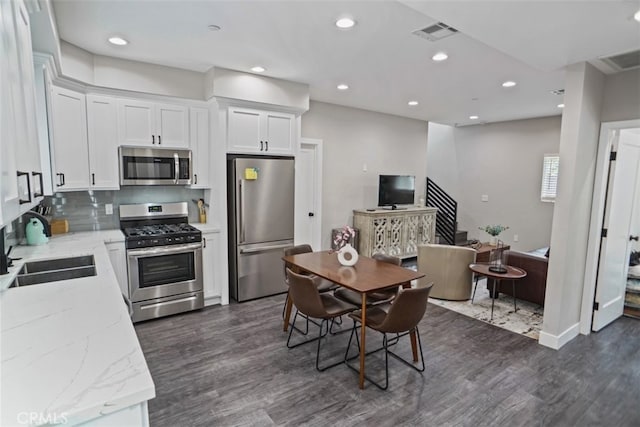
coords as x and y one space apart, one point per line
526 321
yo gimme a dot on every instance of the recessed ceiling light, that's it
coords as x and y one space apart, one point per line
509 83
560 105
636 16
345 23
343 86
413 103
118 41
440 56
474 117
258 69
214 27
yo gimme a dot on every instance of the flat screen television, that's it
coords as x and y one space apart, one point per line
396 190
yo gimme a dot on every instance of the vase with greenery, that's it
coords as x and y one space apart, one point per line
494 231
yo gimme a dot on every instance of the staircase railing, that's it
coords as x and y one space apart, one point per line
447 216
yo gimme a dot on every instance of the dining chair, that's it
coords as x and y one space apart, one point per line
323 285
311 303
401 319
373 298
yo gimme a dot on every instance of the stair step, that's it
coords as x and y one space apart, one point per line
461 237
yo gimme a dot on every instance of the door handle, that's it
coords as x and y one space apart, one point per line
311 214
264 249
633 238
41 193
23 201
176 165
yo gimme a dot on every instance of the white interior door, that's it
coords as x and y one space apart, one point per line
308 193
614 249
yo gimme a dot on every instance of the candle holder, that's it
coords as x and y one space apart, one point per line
497 265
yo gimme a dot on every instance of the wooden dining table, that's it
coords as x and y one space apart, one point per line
368 275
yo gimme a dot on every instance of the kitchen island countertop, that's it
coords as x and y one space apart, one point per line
68 348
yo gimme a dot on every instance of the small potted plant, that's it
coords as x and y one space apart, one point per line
494 231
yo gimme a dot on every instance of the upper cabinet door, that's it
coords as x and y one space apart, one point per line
69 140
199 119
278 132
244 131
260 132
136 123
102 125
172 126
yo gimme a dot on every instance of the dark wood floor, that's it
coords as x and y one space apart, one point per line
229 366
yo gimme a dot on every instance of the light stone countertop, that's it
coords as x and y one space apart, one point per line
69 347
206 227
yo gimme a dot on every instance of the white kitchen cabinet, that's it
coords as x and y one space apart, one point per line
394 232
69 148
102 134
260 132
21 184
199 132
118 258
210 266
144 123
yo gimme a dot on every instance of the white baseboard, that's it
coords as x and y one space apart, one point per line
212 301
556 341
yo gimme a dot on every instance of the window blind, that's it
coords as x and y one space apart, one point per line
549 177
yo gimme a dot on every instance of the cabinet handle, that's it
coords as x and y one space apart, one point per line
159 140
41 193
64 181
261 146
153 139
195 178
22 201
204 242
61 182
266 145
93 179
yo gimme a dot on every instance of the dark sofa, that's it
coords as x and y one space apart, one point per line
533 286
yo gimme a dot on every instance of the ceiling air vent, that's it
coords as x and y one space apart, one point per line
624 61
436 32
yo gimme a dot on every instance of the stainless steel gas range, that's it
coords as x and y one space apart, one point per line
164 259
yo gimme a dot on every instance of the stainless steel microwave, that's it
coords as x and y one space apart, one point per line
154 166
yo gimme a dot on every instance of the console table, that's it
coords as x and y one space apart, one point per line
484 251
395 232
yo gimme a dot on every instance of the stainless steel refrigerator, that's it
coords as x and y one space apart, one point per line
260 192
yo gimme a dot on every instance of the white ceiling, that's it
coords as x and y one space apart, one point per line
382 62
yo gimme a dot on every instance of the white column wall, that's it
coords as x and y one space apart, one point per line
570 228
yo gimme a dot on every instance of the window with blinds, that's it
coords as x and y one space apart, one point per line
549 177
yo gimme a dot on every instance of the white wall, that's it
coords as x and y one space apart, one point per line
584 89
109 72
503 161
442 159
254 88
621 99
352 138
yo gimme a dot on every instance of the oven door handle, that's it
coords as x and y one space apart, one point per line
163 251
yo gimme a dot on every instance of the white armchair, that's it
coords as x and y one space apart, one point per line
448 268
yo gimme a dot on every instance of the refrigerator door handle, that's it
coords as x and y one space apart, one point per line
241 237
265 248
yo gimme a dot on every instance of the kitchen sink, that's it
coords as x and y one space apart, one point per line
53 270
